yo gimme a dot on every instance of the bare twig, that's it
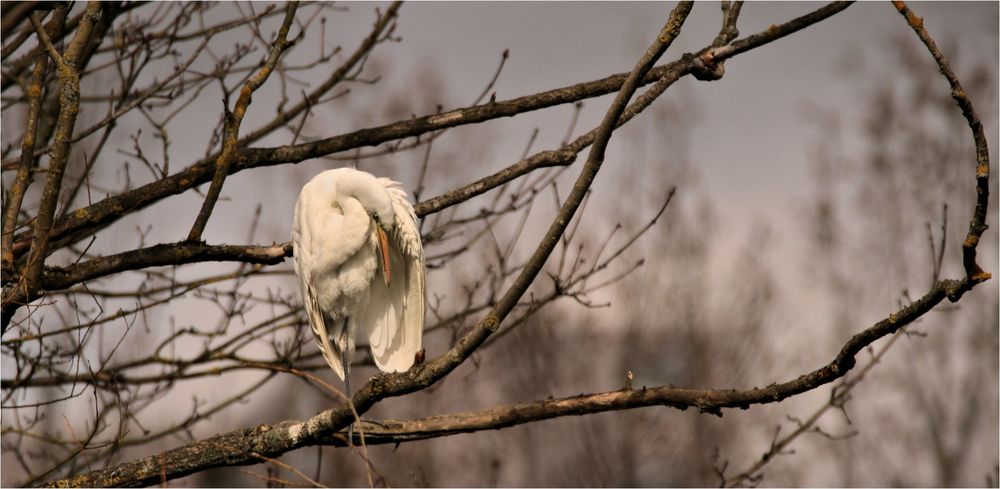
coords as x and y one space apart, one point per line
838 397
384 22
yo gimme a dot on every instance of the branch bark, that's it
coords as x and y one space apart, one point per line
161 255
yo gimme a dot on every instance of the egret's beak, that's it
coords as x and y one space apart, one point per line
383 252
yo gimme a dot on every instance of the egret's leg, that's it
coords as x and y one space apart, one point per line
342 342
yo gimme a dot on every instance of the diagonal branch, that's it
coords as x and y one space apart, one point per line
46 40
233 121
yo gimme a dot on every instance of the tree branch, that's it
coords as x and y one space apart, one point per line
161 255
165 254
233 121
238 447
46 41
977 225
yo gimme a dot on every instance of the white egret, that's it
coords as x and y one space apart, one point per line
360 264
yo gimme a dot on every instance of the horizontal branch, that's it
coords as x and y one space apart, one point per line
185 252
161 255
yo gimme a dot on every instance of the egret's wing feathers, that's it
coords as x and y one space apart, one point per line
318 321
384 314
302 229
395 330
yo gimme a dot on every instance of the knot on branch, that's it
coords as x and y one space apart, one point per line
955 289
707 66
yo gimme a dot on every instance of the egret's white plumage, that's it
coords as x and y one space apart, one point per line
360 264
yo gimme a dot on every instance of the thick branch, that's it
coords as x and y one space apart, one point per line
243 446
166 254
162 255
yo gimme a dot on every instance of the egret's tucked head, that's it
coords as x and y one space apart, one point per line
375 199
370 192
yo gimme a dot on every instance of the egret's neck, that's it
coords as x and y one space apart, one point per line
356 229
